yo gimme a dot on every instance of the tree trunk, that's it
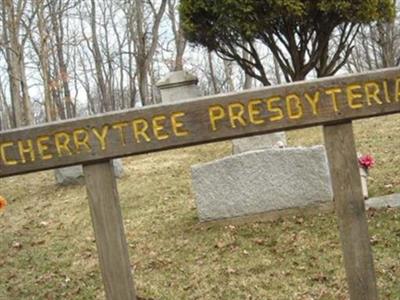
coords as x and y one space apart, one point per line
145 47
26 99
248 80
228 75
56 20
43 54
98 60
18 88
141 44
4 110
278 77
55 90
212 74
177 30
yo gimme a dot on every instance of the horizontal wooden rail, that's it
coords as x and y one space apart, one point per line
319 102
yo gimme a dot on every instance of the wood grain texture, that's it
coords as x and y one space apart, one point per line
109 231
188 123
350 210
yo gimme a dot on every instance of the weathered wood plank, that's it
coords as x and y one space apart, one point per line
109 231
208 119
350 210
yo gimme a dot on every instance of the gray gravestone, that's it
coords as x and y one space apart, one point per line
261 181
273 140
177 86
74 174
238 185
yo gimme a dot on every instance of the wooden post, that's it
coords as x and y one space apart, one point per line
350 210
109 231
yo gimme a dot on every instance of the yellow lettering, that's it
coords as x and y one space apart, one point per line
120 127
28 149
294 99
158 127
81 139
274 109
140 127
215 113
386 90
7 162
352 95
254 112
43 147
372 92
62 140
313 100
177 125
236 112
333 92
397 97
102 136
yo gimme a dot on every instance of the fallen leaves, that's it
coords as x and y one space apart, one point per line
320 277
259 242
16 245
44 224
38 242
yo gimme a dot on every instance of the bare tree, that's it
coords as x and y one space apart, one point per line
41 48
179 39
228 68
376 46
121 40
5 116
145 37
57 10
98 61
13 42
212 73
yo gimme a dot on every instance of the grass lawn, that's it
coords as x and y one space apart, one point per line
47 249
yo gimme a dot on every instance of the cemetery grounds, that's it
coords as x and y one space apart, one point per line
47 248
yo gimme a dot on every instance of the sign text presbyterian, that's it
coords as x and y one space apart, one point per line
295 106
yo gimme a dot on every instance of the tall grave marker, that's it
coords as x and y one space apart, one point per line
94 141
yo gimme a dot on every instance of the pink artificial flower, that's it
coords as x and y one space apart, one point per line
366 161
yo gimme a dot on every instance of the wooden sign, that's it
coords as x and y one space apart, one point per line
318 102
331 102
